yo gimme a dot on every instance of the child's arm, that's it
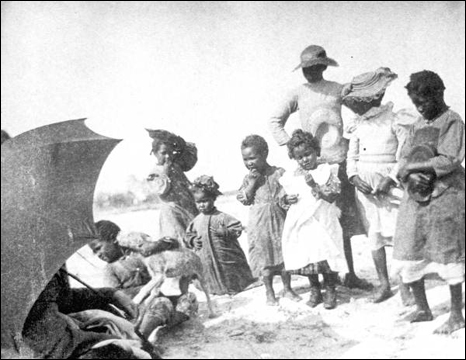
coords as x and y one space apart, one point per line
193 240
248 189
229 227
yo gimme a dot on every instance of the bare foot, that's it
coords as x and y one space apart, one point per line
452 324
271 300
382 295
353 282
290 294
420 316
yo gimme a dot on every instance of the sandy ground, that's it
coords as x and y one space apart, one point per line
245 328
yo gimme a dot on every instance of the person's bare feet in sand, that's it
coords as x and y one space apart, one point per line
353 282
452 324
290 294
420 316
382 295
271 300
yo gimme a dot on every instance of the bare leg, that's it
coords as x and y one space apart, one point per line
456 319
407 298
287 290
380 261
422 312
269 292
351 280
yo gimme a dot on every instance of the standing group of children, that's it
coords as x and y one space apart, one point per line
301 221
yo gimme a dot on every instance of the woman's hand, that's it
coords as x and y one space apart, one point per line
361 185
384 186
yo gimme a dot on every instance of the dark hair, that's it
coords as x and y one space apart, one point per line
107 230
425 83
257 142
300 137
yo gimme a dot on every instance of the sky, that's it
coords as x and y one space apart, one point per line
211 72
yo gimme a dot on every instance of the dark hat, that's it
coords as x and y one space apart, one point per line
315 55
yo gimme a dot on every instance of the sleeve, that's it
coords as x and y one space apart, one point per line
160 183
401 133
280 116
233 226
191 235
451 147
242 195
281 196
109 278
353 156
404 152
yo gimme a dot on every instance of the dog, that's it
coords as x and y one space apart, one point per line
166 258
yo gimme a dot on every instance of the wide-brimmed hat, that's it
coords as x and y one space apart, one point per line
421 153
315 55
369 85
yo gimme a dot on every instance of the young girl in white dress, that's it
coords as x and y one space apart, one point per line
312 238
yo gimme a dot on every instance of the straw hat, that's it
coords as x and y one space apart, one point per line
314 55
325 125
369 85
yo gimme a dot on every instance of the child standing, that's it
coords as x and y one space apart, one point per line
312 236
430 231
214 236
374 149
262 190
177 208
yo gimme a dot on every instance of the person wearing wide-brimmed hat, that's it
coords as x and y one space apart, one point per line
319 103
375 143
430 229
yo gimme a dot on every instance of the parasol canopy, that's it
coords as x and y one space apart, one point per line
49 176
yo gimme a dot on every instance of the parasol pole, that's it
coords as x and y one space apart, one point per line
146 344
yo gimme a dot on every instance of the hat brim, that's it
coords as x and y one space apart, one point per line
323 61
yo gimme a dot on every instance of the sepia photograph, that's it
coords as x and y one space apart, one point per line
233 180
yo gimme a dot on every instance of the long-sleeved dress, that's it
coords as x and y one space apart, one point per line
374 149
177 206
226 269
430 236
312 236
265 226
316 102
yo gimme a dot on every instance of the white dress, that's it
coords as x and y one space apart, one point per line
312 231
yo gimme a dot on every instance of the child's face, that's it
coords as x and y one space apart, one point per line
204 203
428 106
305 156
106 251
253 159
164 154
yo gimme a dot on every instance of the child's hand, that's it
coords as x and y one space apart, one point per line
197 243
309 180
420 181
361 185
291 199
253 176
221 231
